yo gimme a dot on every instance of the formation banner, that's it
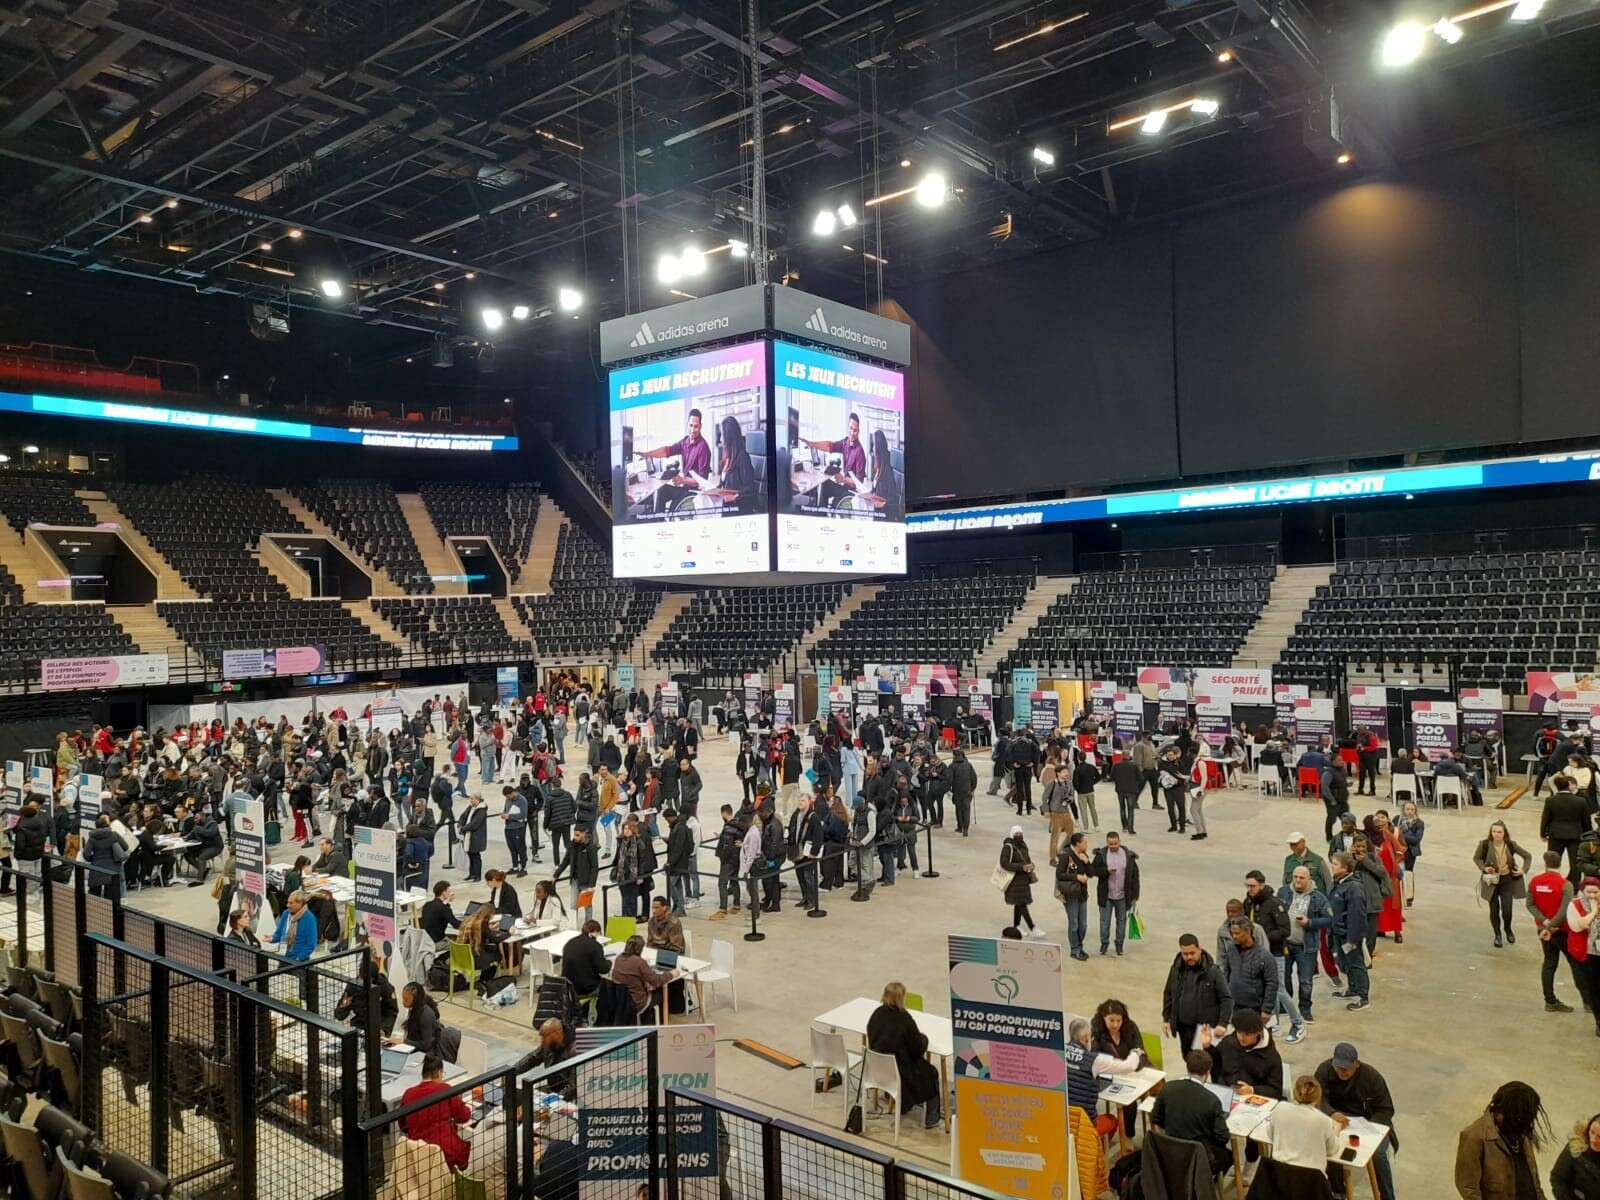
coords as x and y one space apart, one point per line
1044 713
1011 1079
1547 689
782 705
1214 718
375 886
116 670
1024 682
11 811
1369 706
89 789
1284 698
1230 685
1482 710
1433 727
613 1138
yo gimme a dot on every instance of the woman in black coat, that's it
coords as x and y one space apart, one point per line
1577 1172
1014 857
893 1030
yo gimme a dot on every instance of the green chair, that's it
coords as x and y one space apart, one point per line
914 1001
470 1187
463 963
350 867
620 929
1152 1049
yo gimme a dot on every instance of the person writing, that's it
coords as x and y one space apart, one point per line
1246 1059
1188 1109
583 960
1301 1134
892 1030
1352 1088
422 1025
438 918
643 982
437 1122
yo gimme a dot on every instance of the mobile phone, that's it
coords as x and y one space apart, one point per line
1349 1154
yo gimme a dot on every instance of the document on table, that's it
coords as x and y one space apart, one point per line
1366 1130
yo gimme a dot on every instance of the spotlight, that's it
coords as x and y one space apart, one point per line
847 216
692 260
470 275
738 249
1225 56
1403 45
1446 30
668 270
1345 159
931 190
331 288
823 224
295 234
519 312
905 162
438 287
1205 106
1041 155
145 218
569 299
266 245
492 318
1154 123
5 458
1527 10
171 203
30 449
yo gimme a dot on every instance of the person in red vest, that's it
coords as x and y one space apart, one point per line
1583 939
1549 893
437 1122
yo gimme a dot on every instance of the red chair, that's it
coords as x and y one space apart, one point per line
1308 779
1216 777
947 738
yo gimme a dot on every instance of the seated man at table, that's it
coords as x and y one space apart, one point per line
208 845
583 961
437 1122
438 918
352 1006
663 930
1351 1088
296 933
1188 1109
331 860
555 1046
1246 1060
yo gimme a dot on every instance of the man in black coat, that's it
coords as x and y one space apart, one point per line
475 832
1188 1109
680 860
1023 754
1196 994
1247 1060
1563 822
583 961
963 785
805 848
1352 1088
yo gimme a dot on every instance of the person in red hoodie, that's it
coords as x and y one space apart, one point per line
1549 893
437 1122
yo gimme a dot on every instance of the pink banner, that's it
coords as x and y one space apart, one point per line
123 670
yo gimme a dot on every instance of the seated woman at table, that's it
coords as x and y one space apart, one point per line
1302 1134
152 858
547 905
644 982
241 923
482 932
437 1122
893 1030
1117 1035
352 1006
422 1025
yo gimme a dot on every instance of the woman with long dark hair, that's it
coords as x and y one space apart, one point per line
1497 1155
885 493
737 485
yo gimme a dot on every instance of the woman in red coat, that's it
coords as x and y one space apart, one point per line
1392 854
437 1123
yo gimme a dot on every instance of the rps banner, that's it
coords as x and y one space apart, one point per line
375 886
1369 707
1482 710
1127 710
1102 700
782 706
1284 698
914 704
1229 685
1011 1078
1433 727
613 1139
250 855
1024 682
1214 718
1044 713
1313 720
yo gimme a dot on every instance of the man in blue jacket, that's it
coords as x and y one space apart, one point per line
296 933
1347 927
1309 915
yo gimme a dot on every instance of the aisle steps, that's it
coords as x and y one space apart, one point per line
1292 590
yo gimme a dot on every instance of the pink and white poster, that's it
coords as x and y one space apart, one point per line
1434 727
1369 708
118 670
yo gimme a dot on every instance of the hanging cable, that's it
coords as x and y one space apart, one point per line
758 152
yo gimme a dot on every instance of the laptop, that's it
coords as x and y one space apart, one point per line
507 921
666 959
394 1061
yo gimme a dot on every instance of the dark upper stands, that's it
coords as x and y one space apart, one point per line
29 632
503 513
278 620
738 629
925 620
450 625
1118 621
586 612
38 498
1498 615
366 514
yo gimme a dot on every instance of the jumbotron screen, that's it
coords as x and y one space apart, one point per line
689 454
843 505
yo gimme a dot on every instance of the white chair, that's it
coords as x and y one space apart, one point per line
540 963
1449 787
829 1054
720 970
1403 793
882 1075
1288 1081
688 943
1267 782
473 1057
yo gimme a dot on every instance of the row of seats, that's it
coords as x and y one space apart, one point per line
281 620
30 632
946 620
443 625
586 612
39 498
503 513
739 629
366 514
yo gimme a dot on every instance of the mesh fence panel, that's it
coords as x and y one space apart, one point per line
737 1163
917 1184
22 920
297 1116
63 930
828 1172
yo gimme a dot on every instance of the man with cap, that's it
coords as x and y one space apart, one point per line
1352 1088
1301 855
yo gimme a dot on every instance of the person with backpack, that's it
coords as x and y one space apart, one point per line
774 848
729 841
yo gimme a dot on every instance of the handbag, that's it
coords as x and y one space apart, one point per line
1000 878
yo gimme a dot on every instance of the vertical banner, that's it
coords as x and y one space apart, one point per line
1433 727
613 1142
980 699
89 789
783 706
1102 700
752 694
1127 710
1284 698
12 807
1044 713
1011 1079
250 856
1313 720
1214 718
1482 710
1369 706
1024 682
914 704
375 886
506 685
625 676
41 782
671 703
841 701
824 680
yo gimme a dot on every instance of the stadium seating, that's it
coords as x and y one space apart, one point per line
10 589
446 626
586 612
741 629
945 620
366 514
1495 615
38 498
278 620
29 632
503 513
1118 621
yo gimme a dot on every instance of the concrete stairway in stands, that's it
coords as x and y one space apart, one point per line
671 607
24 567
859 595
1046 590
1291 594
436 556
541 561
515 625
363 611
383 584
169 584
152 634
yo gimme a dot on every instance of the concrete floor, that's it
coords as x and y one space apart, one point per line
1452 1018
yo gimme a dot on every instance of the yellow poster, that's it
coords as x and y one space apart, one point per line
1013 1139
1072 694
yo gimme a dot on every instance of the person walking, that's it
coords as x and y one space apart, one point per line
1074 869
1335 792
1172 775
1497 1155
1128 781
1501 881
1347 925
1196 1005
1085 775
1251 970
1563 821
1014 858
1055 801
1549 893
963 786
1116 871
1262 907
1143 756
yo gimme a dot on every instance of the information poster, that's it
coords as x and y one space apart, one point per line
1284 698
250 855
914 705
13 793
1369 707
625 676
506 684
1044 713
1164 683
1127 710
1482 711
671 701
1313 720
89 789
783 706
1433 727
1024 682
841 702
1214 719
42 783
1546 689
613 1139
980 699
1102 700
387 716
1234 685
375 886
752 694
1010 1077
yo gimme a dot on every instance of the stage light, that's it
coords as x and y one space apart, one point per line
1527 10
331 288
1345 159
226 377
668 270
1225 56
1205 106
519 312
5 458
470 275
171 203
1041 155
905 162
438 287
295 234
30 449
569 299
1403 45
823 224
145 218
1446 30
266 245
932 190
846 215
492 318
692 260
1154 123
738 248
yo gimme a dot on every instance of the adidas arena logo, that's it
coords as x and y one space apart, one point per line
673 333
817 322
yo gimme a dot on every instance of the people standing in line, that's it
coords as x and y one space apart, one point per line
1309 914
475 832
1549 894
1576 1175
515 815
729 841
1497 1156
805 841
1014 858
1411 829
1301 855
1263 907
1196 1005
1375 883
1335 793
583 867
1116 871
1563 821
1345 840
1501 879
1347 925
1251 970
1352 1088
1074 870
963 786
